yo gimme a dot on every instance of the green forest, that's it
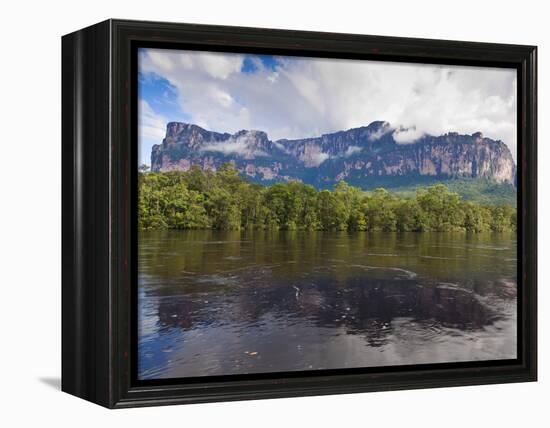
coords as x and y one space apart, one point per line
224 200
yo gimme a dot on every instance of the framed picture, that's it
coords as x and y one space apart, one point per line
253 213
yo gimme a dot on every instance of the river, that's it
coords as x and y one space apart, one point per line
221 303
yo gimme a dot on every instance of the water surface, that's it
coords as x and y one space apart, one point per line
219 303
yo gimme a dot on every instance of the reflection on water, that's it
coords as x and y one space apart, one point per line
218 303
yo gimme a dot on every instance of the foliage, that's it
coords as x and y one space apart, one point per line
482 191
199 199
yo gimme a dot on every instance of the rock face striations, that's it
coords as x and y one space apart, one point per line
360 155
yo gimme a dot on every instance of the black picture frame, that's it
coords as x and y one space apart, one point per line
99 177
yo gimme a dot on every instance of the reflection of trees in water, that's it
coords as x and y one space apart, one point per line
171 255
359 305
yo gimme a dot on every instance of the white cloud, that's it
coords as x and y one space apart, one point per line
280 146
218 66
380 132
240 146
305 97
407 135
151 125
351 150
162 62
151 130
316 159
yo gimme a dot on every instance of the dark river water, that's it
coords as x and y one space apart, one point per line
219 303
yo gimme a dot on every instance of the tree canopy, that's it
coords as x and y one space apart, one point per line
198 199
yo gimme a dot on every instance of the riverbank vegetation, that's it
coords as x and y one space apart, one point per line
224 200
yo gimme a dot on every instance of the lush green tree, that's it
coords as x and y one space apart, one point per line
409 216
198 199
309 217
331 211
223 210
152 202
379 210
252 208
477 218
504 218
199 180
352 198
442 208
284 205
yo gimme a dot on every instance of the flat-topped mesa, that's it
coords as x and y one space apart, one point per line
464 156
357 154
252 138
173 129
189 134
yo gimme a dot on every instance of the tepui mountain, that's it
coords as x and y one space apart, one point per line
360 156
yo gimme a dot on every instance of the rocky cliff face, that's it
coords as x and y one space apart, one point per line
357 155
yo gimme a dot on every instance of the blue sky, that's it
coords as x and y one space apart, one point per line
250 63
293 97
159 103
161 95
